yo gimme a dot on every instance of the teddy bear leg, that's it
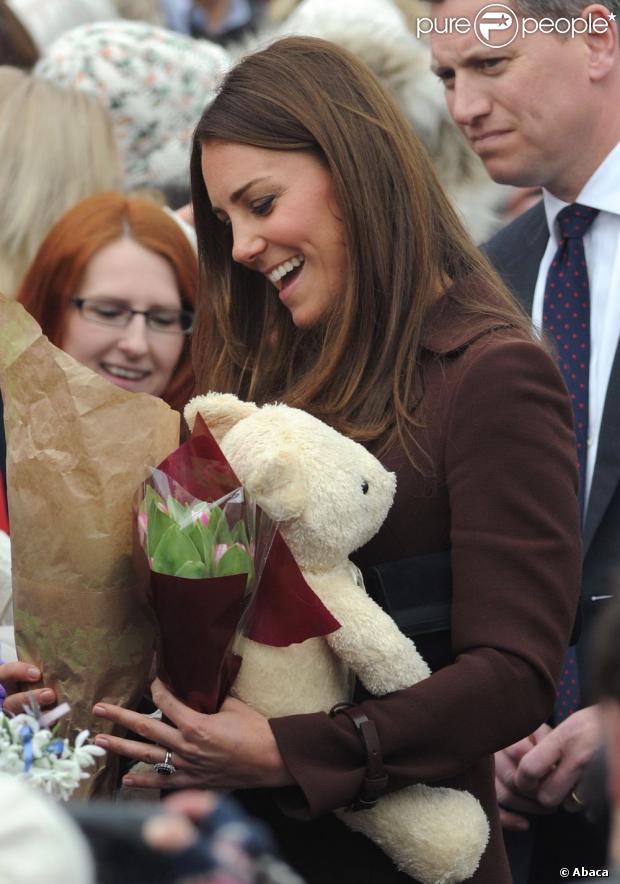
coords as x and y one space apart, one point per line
436 835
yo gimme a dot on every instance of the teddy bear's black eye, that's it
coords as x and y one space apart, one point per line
365 486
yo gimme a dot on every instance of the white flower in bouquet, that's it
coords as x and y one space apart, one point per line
31 752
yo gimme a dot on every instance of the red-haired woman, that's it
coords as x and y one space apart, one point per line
113 285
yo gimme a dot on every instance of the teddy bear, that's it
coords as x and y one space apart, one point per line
329 496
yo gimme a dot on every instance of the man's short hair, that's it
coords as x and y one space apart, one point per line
559 8
556 8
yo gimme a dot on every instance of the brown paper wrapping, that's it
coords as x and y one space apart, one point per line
78 447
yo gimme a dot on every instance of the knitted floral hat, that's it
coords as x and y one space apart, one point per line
155 82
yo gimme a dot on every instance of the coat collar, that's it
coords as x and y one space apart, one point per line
449 328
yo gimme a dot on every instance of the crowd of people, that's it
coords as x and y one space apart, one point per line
274 200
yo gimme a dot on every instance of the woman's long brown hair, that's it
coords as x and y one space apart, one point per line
357 370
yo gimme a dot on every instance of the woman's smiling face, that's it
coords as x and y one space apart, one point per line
125 274
285 222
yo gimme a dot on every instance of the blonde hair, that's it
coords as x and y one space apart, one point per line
57 147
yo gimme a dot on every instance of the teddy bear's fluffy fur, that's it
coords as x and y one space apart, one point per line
330 496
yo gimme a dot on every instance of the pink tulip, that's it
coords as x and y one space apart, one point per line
200 515
143 524
220 549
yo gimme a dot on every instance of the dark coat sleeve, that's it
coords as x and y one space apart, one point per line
505 451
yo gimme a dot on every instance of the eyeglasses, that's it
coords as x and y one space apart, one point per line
168 322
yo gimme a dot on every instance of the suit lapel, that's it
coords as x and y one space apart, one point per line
516 253
607 468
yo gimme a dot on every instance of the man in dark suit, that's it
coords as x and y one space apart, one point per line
536 93
606 681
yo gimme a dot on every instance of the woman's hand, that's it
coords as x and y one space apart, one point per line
233 749
11 674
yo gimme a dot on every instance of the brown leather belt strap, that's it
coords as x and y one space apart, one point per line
375 779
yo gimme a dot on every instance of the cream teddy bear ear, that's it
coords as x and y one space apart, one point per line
220 411
276 481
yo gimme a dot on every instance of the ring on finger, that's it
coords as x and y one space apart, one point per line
577 799
166 768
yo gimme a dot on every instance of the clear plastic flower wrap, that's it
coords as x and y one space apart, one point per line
186 537
206 545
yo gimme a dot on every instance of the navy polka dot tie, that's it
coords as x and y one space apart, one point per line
566 321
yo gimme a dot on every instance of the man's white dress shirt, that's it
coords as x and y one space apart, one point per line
602 248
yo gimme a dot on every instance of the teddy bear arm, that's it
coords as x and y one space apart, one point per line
368 640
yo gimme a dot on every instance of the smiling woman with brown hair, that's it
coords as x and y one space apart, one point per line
341 281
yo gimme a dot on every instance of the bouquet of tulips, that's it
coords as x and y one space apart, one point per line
205 544
195 539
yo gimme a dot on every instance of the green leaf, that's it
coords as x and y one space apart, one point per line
158 521
193 570
173 551
235 560
211 532
178 511
221 530
201 537
240 534
151 497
